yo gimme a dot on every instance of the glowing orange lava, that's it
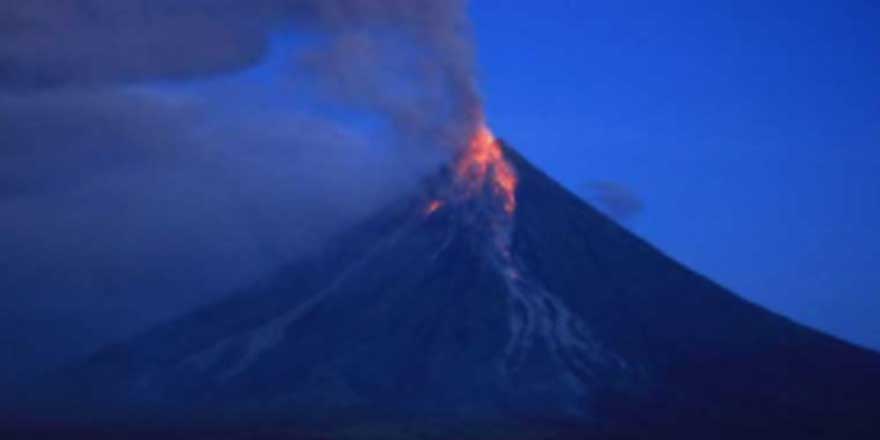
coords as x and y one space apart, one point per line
483 163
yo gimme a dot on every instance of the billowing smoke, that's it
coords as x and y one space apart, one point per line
409 62
157 153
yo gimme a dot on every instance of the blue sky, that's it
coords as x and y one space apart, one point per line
750 129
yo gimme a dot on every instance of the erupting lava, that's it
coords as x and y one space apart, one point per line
482 164
481 170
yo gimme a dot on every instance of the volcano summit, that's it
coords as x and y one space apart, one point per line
471 312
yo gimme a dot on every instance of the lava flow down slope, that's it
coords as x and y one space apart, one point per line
492 303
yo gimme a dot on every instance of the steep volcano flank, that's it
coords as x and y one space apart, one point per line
421 317
706 352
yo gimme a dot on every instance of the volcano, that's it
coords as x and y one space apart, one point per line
451 315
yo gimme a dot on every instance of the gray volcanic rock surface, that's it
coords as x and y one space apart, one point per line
556 323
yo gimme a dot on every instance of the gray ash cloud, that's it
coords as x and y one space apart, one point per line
126 197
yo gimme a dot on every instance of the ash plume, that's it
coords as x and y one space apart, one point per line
143 170
409 62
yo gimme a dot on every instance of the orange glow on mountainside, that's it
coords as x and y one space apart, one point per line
483 163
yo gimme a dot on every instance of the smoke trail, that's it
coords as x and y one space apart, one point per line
152 201
407 62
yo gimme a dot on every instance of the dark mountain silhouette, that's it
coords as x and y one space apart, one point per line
460 322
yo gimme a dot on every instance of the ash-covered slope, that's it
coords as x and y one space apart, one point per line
447 319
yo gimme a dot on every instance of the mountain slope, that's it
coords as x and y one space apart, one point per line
553 323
